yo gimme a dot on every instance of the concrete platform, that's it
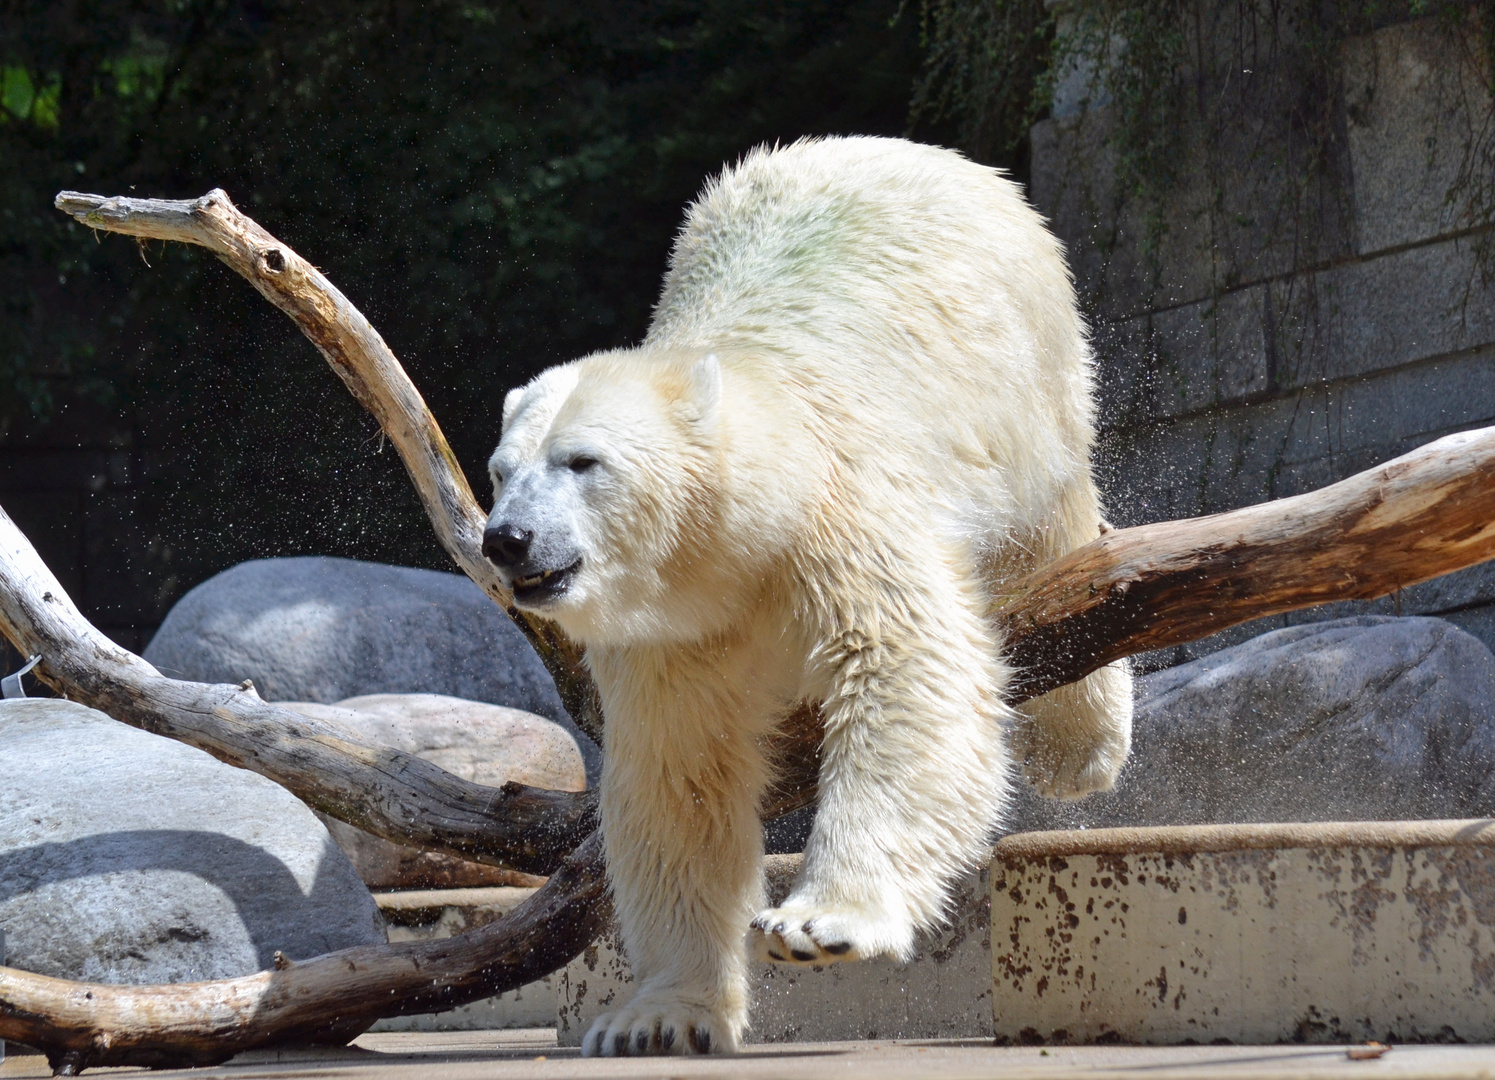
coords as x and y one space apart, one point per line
499 1055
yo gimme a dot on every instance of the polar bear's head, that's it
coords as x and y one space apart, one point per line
605 491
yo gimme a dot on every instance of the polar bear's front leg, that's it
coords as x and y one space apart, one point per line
913 774
680 790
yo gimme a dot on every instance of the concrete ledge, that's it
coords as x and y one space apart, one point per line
1246 934
1250 836
1338 931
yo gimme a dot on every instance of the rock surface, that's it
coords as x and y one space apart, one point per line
129 858
1367 718
325 629
487 744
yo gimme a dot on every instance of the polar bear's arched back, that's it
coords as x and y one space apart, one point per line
926 258
863 405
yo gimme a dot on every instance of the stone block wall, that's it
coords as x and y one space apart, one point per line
1270 330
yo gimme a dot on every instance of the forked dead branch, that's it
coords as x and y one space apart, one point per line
1420 516
371 373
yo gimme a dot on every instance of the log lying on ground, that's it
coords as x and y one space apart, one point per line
328 999
333 769
370 371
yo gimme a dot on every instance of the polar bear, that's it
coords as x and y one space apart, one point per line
863 405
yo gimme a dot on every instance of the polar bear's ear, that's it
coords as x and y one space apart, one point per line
511 406
706 388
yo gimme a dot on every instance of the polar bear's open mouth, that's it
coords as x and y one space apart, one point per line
546 585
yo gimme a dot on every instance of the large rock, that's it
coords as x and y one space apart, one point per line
129 858
487 744
324 629
1368 718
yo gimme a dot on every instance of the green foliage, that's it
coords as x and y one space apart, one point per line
28 99
986 70
495 184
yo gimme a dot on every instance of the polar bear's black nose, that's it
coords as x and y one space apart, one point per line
507 544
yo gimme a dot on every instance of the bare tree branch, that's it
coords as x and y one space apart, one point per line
1424 514
1427 513
331 768
370 371
329 999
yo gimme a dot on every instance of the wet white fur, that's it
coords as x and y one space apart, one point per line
864 402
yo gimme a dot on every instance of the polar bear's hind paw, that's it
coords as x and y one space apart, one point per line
1062 770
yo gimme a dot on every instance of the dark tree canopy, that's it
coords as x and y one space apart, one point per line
496 185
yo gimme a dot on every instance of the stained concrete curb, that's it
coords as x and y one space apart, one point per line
1316 933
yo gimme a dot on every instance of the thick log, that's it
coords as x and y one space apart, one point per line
333 769
327 999
371 373
1424 514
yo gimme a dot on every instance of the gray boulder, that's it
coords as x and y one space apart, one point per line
1368 718
324 629
129 858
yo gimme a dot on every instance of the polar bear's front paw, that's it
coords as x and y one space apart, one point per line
650 1026
807 933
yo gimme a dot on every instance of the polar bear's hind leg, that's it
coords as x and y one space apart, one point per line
1073 741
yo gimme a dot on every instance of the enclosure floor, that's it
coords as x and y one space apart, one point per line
497 1055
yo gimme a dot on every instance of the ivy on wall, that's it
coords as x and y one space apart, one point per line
1167 72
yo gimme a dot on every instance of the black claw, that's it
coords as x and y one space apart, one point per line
779 928
700 1040
801 955
620 1045
775 956
805 929
641 1041
840 948
667 1038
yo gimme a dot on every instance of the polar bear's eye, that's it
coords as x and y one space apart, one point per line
581 463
